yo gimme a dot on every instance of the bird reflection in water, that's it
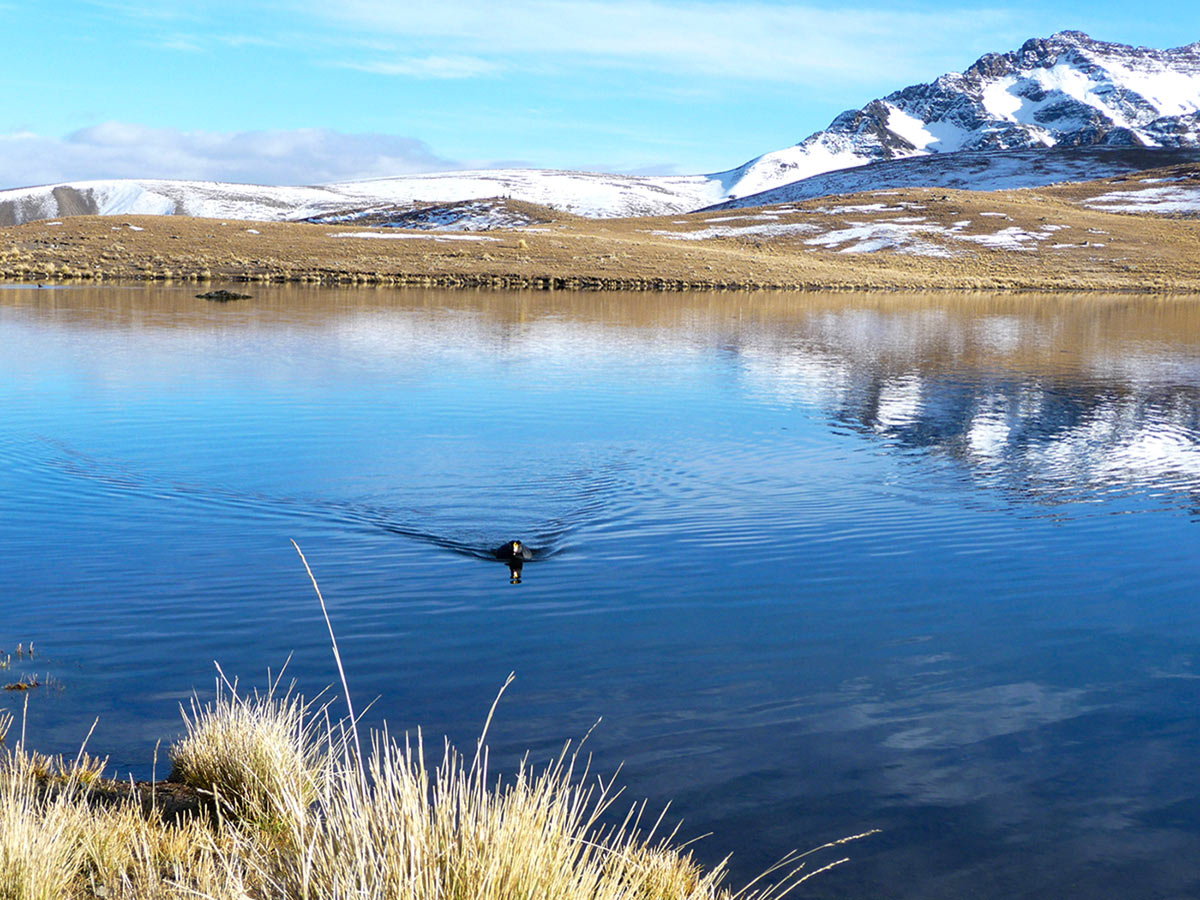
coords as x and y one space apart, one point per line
515 554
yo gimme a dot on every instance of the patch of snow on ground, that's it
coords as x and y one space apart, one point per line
1152 200
1172 93
762 217
471 217
997 215
589 194
912 129
1012 238
252 231
415 237
54 223
939 136
477 215
826 154
1054 227
868 237
861 208
776 230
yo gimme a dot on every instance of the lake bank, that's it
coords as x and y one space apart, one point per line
1069 238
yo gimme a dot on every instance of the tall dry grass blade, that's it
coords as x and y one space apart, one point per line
512 676
336 655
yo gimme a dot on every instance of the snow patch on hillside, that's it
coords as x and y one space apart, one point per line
403 235
1161 200
475 215
1170 92
774 230
581 193
869 237
976 171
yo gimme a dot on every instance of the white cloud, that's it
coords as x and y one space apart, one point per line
783 42
757 40
430 67
122 150
182 43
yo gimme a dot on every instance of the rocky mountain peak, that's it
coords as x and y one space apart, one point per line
1068 89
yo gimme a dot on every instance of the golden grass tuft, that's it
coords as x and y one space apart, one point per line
40 841
55 845
402 830
301 819
302 815
252 751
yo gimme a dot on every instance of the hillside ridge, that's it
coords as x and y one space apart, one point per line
1068 93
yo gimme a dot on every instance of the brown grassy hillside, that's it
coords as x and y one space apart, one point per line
918 239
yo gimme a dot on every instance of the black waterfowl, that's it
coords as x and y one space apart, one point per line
515 554
513 551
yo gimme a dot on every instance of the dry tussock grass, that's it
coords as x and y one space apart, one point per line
54 845
300 820
302 815
251 751
1135 252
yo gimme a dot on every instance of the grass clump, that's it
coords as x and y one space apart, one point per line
300 819
252 752
303 814
56 845
40 841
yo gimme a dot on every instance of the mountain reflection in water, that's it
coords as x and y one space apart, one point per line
1055 410
819 563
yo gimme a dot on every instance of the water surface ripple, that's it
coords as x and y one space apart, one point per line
820 564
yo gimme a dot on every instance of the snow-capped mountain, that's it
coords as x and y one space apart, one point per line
582 193
1066 91
975 170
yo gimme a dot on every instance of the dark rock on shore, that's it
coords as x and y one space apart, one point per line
223 296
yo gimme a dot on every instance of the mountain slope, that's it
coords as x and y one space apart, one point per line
590 194
1065 90
975 170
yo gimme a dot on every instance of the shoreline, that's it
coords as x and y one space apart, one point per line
1050 240
584 284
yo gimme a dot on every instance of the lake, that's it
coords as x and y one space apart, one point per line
816 564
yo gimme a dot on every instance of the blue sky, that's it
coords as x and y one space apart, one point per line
290 91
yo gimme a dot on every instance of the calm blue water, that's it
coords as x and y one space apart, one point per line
820 564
